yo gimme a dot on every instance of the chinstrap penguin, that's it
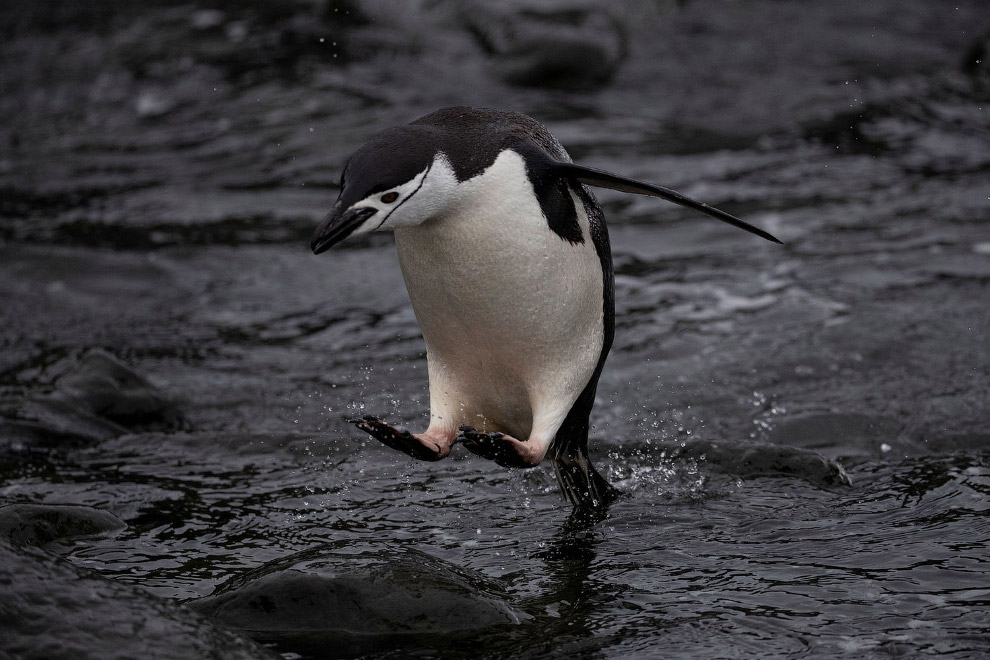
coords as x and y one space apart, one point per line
506 257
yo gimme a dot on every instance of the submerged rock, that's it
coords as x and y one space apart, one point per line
756 459
48 421
38 524
103 385
354 595
51 609
571 46
100 397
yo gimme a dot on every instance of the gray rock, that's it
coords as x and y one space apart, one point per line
346 593
38 524
49 421
103 385
99 397
571 45
756 459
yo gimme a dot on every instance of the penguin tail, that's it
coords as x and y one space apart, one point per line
580 483
602 179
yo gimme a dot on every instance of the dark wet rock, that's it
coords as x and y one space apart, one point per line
105 386
753 459
48 422
570 45
99 397
343 594
39 524
51 609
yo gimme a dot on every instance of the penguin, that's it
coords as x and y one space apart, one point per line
506 258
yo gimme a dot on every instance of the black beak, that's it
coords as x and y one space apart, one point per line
337 226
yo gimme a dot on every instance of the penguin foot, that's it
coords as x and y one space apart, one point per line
415 445
499 447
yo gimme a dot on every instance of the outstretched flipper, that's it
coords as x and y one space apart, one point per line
602 179
418 446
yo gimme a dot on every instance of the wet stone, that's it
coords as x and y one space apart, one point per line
39 524
346 594
99 398
49 423
576 46
105 386
754 459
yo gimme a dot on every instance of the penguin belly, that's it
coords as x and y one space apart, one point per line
512 314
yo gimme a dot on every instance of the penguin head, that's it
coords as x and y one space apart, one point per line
404 176
398 179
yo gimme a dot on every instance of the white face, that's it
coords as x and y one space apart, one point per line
429 193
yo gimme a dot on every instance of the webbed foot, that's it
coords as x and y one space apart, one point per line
418 445
499 447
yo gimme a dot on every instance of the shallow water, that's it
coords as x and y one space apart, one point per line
157 206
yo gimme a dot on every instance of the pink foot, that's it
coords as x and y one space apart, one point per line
418 445
499 447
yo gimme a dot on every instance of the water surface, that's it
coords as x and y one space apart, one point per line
161 173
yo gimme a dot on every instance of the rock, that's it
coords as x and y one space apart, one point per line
48 422
99 398
104 386
352 594
755 459
38 524
571 46
51 610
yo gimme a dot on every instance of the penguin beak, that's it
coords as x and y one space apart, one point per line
337 226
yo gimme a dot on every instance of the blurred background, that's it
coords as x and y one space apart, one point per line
171 353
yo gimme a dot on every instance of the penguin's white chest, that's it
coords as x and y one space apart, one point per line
512 314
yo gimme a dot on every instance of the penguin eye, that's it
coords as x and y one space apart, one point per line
388 198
